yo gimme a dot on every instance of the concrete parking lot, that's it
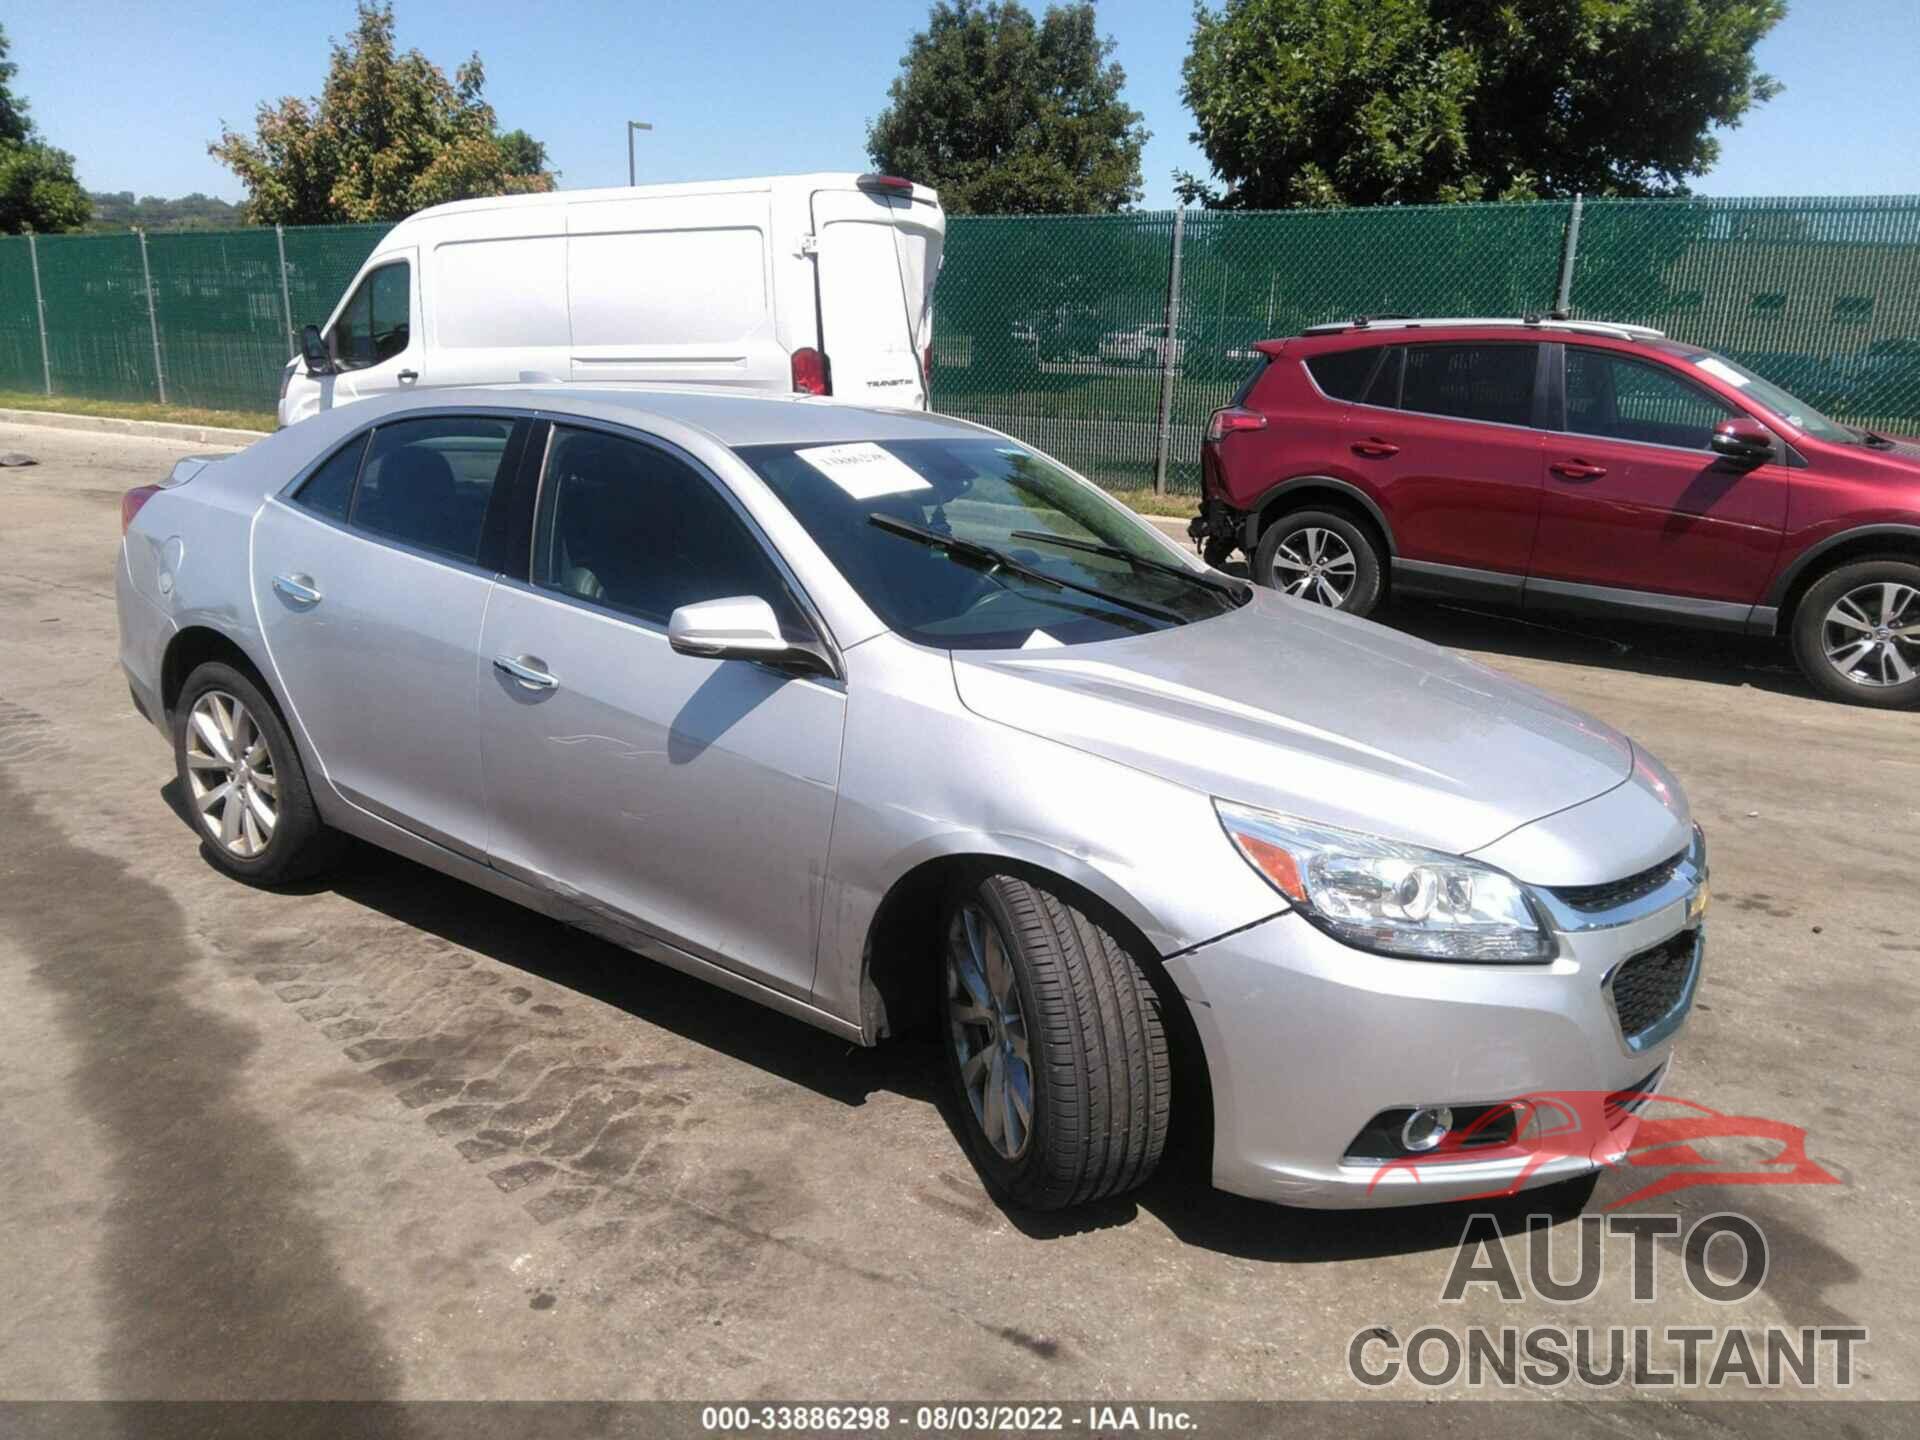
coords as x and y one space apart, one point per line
389 1137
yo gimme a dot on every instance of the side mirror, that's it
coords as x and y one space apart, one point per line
740 627
313 350
1742 440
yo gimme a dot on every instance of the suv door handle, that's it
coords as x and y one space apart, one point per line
1577 470
529 670
297 588
1375 448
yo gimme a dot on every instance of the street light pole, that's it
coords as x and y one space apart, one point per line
633 125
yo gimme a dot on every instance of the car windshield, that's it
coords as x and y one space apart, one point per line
1769 396
998 501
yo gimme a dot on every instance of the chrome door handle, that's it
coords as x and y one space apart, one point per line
297 588
528 670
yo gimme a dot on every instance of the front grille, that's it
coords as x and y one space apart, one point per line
1592 899
1648 986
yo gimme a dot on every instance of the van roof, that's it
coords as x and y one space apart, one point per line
818 180
733 418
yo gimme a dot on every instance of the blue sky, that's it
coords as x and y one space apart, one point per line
136 91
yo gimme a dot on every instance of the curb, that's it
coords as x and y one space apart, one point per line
142 429
1174 527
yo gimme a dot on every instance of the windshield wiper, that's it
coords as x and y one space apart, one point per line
1878 442
973 552
1236 593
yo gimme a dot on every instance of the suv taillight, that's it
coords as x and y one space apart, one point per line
131 502
1234 417
810 373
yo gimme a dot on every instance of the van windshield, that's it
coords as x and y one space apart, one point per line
1037 557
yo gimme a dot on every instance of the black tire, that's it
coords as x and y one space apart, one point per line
298 845
1100 1086
1293 530
1814 636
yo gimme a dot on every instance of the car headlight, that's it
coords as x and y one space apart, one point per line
1393 899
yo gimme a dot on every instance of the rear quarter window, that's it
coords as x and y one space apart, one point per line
1343 374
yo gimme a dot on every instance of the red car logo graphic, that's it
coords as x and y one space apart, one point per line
1619 1128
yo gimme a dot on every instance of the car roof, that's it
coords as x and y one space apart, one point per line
732 418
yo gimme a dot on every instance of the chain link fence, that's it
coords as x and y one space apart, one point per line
1105 339
197 318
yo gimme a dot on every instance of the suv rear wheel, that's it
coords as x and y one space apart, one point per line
1322 556
1856 634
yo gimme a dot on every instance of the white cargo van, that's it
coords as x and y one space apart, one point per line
821 284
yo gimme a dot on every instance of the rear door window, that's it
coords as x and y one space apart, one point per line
1471 382
328 491
427 483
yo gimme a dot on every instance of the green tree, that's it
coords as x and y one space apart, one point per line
1369 102
388 135
38 190
1004 115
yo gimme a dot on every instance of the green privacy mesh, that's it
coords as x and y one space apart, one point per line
1054 328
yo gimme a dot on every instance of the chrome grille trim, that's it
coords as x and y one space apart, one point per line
1572 909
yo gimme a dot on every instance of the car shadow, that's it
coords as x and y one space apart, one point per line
1714 657
910 1066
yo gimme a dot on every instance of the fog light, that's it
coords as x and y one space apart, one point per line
1426 1128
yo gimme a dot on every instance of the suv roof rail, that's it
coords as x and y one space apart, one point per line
1609 328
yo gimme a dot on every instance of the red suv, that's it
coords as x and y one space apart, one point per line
1570 465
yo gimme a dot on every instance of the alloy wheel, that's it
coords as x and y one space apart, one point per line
1315 564
230 771
1871 635
988 1031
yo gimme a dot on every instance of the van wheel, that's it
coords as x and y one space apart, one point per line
1856 634
1322 556
242 781
1054 1047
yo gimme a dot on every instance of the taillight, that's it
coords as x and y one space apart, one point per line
131 502
893 184
926 366
1234 418
810 373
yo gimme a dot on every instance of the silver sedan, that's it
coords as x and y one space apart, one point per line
885 719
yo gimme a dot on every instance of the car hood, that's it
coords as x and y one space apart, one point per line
1312 713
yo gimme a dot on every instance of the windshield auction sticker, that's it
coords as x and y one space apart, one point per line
864 470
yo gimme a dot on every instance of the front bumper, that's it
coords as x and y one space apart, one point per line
1307 1040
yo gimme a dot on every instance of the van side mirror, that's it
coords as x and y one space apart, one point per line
740 627
313 351
1743 440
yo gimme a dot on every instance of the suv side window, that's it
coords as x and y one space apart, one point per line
631 527
428 482
1343 374
1619 398
1471 382
377 322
